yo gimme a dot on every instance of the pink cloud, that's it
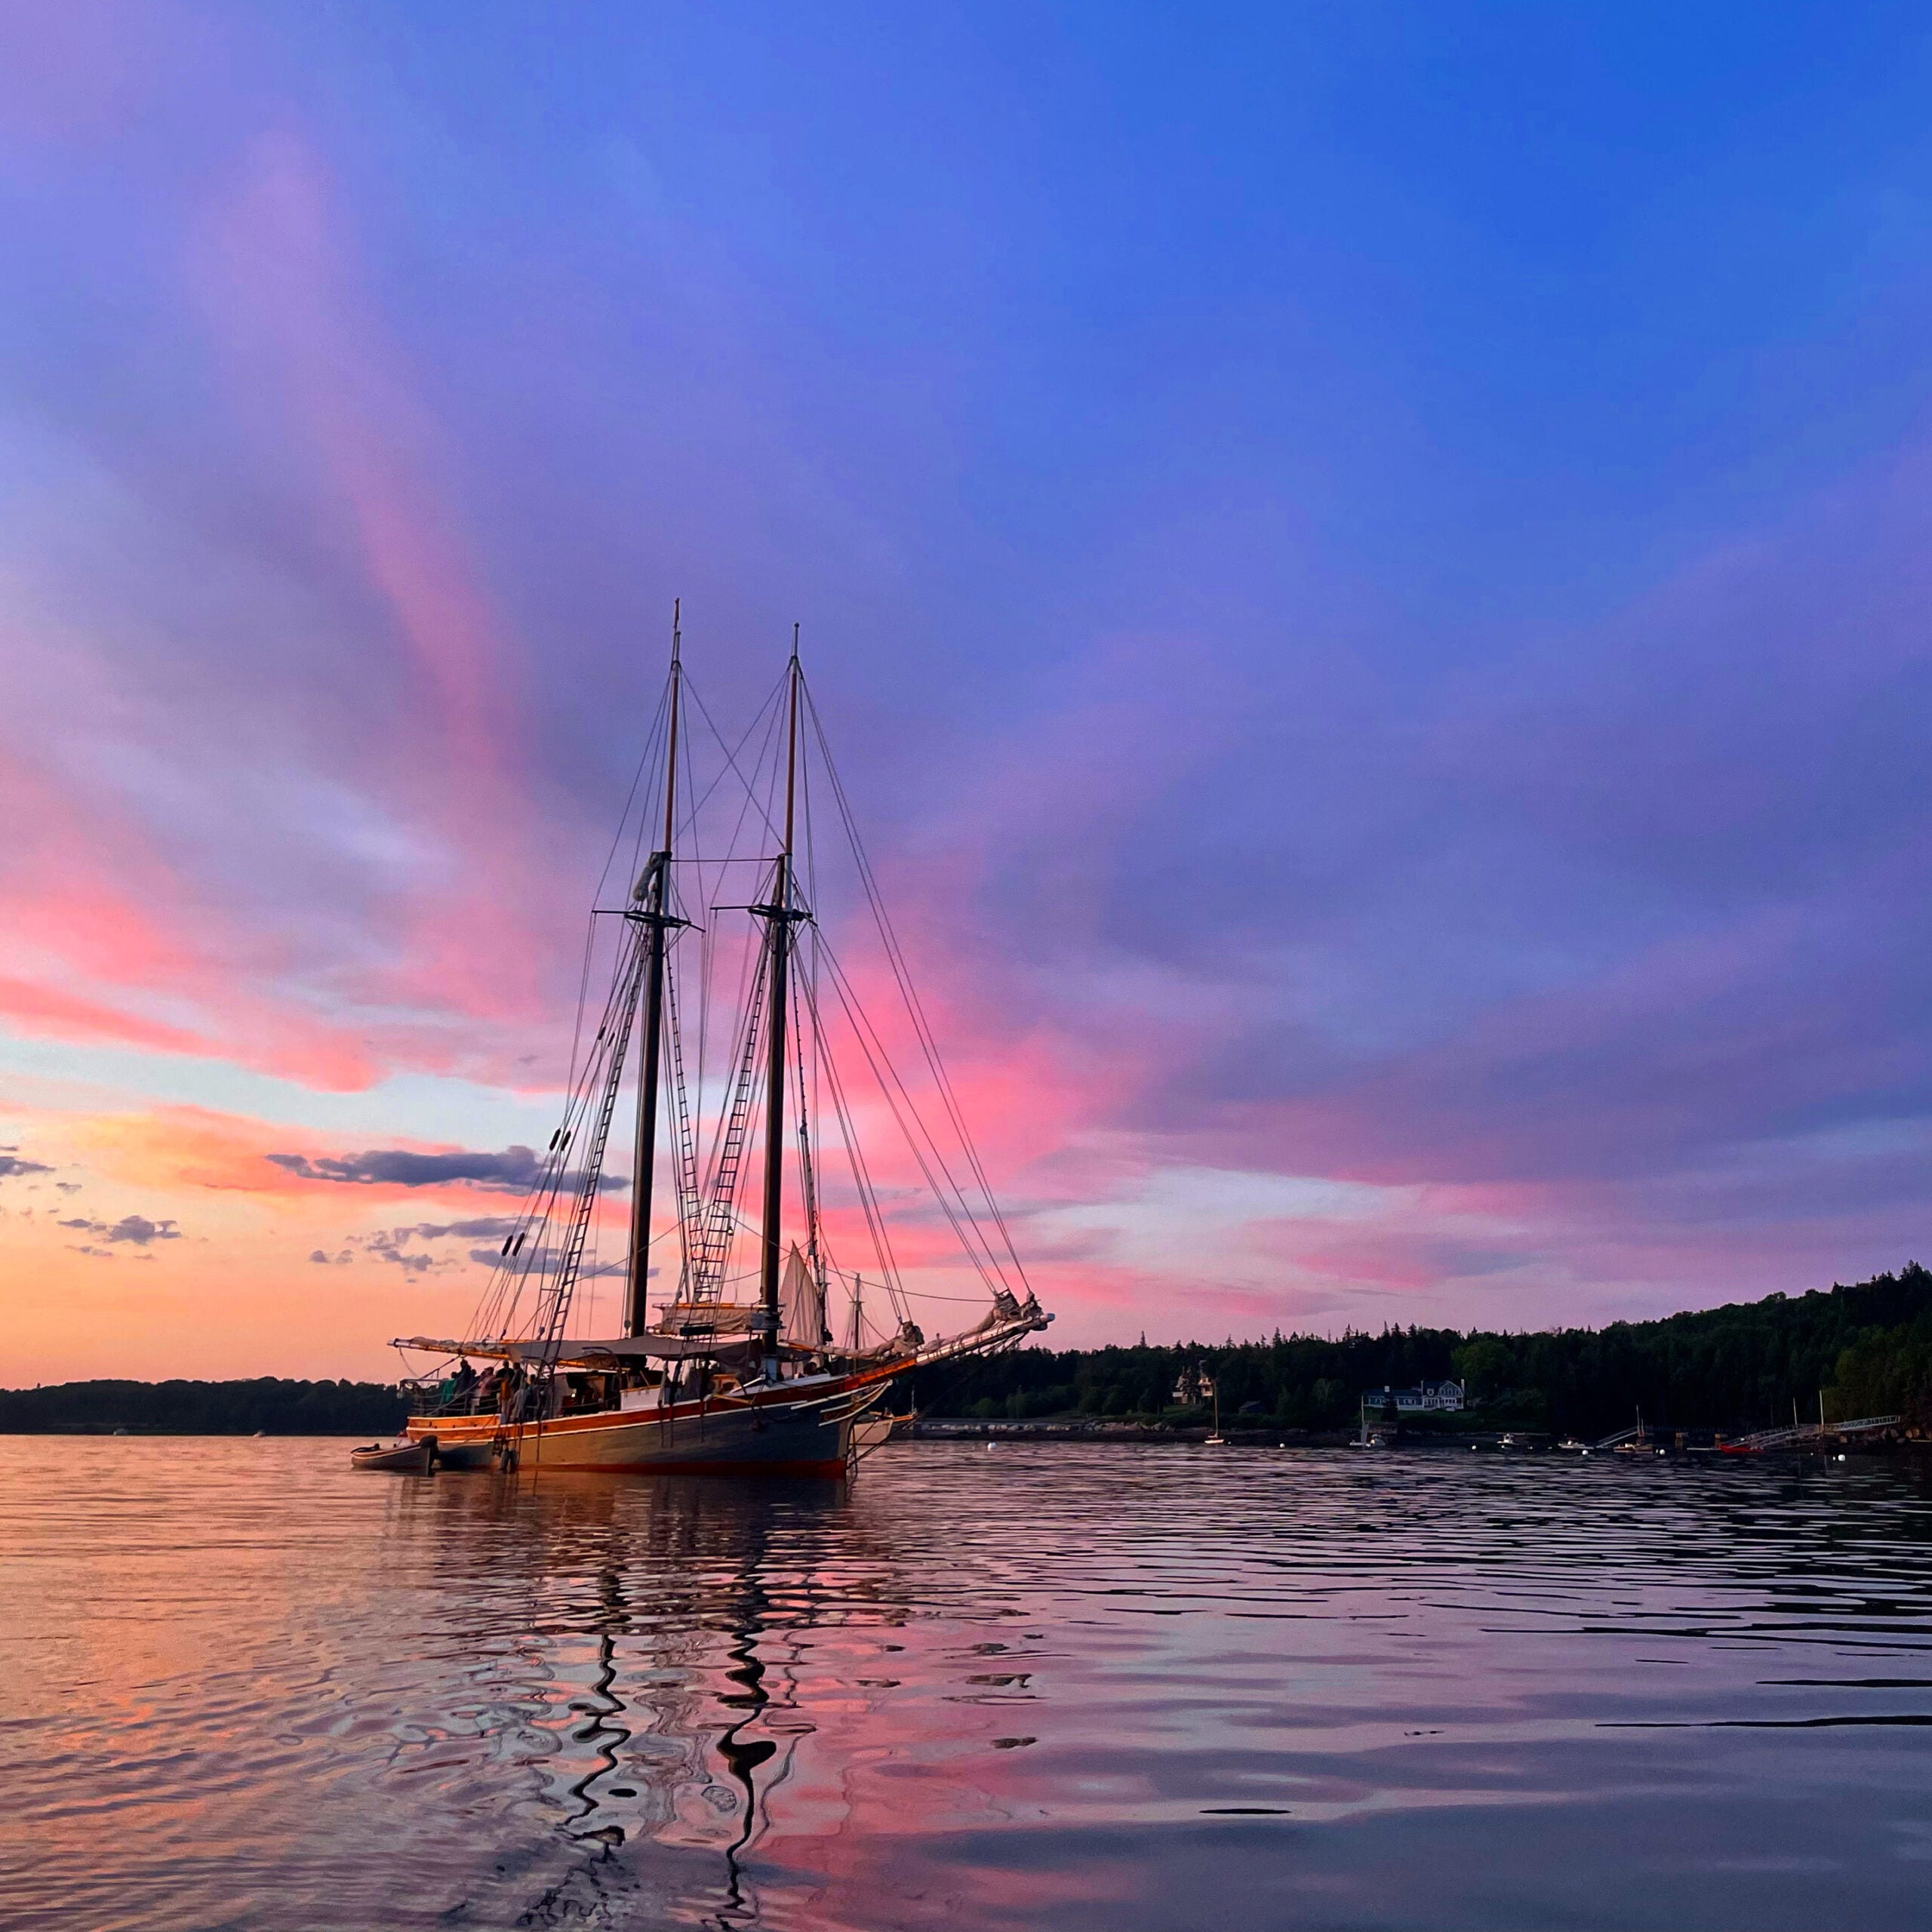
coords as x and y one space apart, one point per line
102 940
279 285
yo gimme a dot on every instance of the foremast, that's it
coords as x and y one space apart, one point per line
650 908
780 915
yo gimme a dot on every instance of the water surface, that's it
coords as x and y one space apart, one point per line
1124 1688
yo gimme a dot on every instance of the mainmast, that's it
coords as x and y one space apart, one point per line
649 898
780 918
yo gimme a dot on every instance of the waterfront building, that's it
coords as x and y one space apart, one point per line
1434 1397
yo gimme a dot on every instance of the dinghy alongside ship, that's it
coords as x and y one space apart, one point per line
751 1386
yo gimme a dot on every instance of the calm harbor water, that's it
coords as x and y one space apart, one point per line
1108 1687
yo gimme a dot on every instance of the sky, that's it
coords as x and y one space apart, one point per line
1367 565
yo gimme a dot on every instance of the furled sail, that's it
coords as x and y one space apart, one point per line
801 1305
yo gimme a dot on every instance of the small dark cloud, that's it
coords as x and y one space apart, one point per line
12 1164
341 1260
99 1253
390 1244
136 1229
515 1170
68 1186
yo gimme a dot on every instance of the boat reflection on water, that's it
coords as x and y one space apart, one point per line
632 1643
249 1687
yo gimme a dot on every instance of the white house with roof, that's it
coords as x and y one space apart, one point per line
1436 1398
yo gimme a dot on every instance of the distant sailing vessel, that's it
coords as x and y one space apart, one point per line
723 1381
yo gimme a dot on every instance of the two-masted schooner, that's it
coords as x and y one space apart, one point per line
736 1373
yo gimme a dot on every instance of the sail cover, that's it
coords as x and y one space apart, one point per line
580 1354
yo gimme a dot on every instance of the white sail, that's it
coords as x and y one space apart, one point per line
802 1311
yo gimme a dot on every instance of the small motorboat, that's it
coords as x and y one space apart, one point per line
465 1455
406 1458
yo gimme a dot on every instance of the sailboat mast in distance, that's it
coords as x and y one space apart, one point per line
779 916
649 897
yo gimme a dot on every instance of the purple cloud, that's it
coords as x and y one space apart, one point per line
515 1170
134 1229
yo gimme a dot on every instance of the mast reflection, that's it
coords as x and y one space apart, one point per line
634 1639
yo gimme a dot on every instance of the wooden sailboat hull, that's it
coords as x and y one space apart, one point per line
811 1425
736 1438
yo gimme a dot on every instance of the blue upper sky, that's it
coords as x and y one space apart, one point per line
1373 551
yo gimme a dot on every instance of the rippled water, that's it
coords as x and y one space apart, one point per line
1106 1687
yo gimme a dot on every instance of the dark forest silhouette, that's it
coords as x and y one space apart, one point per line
1868 1347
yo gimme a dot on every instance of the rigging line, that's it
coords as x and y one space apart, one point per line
877 1226
505 1294
916 1294
869 1208
869 1040
537 1263
807 1184
772 705
686 1151
709 940
936 1067
868 1193
645 756
506 1289
718 1231
583 996
747 1021
909 992
553 1318
862 1181
808 1089
768 750
621 1007
643 819
556 1156
731 751
647 759
880 1056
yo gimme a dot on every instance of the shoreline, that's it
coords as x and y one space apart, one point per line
1503 1441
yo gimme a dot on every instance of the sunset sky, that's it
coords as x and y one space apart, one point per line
1368 566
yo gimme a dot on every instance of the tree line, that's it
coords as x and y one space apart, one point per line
269 1405
1867 1347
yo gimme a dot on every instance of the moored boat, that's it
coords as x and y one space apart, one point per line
413 1457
